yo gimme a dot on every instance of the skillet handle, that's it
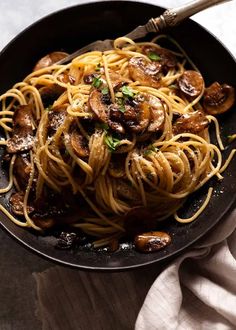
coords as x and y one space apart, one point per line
174 16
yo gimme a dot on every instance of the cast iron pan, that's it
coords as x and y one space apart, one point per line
69 30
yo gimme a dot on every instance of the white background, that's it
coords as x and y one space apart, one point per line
15 15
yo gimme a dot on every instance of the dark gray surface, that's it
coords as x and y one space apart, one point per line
17 285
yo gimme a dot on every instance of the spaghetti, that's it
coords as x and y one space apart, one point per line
97 141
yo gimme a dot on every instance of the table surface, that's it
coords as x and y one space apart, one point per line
17 285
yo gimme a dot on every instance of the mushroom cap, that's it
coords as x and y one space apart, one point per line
218 98
146 72
49 60
166 58
193 122
79 144
97 105
191 83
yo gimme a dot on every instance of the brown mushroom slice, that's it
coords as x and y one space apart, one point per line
79 144
143 116
17 204
23 116
218 98
116 118
43 223
98 107
22 140
157 114
117 166
56 118
193 122
22 170
50 93
117 127
138 220
147 73
66 78
166 58
152 241
191 83
49 60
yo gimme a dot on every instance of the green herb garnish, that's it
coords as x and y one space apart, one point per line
149 150
97 82
102 126
111 142
127 91
105 90
121 103
98 67
153 56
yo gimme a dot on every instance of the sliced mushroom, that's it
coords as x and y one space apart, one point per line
143 118
66 78
147 73
43 223
152 241
79 144
117 166
56 118
166 58
23 116
191 83
117 127
157 114
49 60
22 170
21 140
138 220
193 122
98 107
17 204
50 93
218 98
116 118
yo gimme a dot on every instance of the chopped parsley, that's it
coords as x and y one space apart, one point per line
111 142
153 56
105 90
127 91
149 150
102 126
98 67
97 82
121 103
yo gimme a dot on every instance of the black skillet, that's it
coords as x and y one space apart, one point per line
74 27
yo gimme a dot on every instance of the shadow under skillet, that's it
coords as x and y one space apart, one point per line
18 291
17 285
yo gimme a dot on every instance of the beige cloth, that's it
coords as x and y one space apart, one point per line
196 291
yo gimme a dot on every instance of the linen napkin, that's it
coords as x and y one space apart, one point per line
195 291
